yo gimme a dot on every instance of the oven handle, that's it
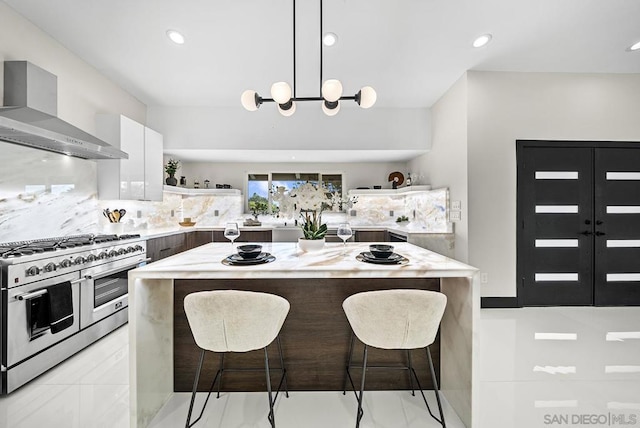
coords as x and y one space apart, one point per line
27 296
121 268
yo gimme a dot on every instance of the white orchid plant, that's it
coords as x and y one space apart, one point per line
311 201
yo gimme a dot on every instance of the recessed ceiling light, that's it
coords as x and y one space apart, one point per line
635 47
175 36
482 40
329 39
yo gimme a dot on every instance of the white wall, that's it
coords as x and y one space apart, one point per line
237 129
504 107
82 90
446 164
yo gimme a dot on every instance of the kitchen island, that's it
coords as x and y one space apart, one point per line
315 283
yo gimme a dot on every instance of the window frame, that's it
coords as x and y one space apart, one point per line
270 181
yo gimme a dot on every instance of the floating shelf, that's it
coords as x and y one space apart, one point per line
194 192
386 192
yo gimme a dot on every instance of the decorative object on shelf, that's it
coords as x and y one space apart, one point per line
330 90
408 179
170 168
196 184
206 184
396 178
402 219
183 180
186 222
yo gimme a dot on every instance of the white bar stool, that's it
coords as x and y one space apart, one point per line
236 321
395 319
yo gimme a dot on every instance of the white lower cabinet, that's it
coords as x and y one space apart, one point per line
139 177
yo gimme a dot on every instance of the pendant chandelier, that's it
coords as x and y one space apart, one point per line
330 90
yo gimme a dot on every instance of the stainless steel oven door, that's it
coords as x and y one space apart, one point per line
105 289
26 334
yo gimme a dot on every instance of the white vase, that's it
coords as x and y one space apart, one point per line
307 245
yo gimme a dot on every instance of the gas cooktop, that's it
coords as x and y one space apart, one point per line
27 248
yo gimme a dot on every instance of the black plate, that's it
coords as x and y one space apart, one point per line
237 260
393 259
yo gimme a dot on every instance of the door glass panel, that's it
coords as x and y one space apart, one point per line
623 175
540 277
556 336
622 369
623 277
619 336
628 243
556 175
556 209
558 243
626 209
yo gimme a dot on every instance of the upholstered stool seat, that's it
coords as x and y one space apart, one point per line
395 319
235 321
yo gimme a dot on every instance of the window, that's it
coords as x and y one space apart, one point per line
258 193
260 186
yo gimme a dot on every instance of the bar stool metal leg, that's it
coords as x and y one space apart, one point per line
221 372
284 371
348 374
364 371
413 392
266 369
435 387
195 388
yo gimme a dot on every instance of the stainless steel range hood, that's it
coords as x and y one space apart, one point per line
30 116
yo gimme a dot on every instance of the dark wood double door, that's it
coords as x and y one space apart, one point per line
578 223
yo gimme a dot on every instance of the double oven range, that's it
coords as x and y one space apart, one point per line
91 271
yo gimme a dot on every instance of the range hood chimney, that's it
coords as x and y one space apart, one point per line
30 116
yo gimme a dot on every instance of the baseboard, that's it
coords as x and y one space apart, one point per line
499 302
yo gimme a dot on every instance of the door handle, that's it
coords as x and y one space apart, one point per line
599 222
600 233
586 233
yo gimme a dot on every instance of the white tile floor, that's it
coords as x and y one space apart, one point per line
539 367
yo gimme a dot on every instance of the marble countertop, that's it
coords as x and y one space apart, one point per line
333 261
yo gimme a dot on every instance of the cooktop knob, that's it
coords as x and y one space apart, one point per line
121 251
79 260
49 267
137 248
33 271
112 253
102 255
65 263
129 250
91 258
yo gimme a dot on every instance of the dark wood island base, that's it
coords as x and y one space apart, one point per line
315 338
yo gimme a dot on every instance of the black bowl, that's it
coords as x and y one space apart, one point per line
381 251
250 251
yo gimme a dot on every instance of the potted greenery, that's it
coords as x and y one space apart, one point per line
170 168
310 200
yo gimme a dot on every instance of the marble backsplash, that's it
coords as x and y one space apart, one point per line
426 210
44 195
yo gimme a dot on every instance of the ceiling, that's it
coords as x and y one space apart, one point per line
410 51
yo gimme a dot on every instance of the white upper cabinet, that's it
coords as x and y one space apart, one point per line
139 177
